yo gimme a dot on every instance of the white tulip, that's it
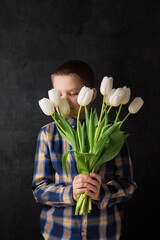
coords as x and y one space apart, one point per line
85 96
135 105
46 106
106 85
54 96
127 95
108 97
64 107
117 97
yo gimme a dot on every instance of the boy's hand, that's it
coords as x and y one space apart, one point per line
91 185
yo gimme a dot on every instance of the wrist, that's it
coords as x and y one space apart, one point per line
74 197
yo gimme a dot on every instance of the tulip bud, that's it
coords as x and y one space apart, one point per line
117 97
46 106
135 105
85 96
64 107
108 97
127 95
106 85
54 97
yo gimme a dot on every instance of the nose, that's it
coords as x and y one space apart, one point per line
65 96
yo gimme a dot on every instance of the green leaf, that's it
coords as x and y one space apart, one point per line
91 131
64 162
81 135
89 156
92 161
98 132
87 129
100 125
80 161
95 118
65 124
70 132
103 129
101 142
106 117
63 135
86 115
76 142
99 146
91 124
82 166
111 149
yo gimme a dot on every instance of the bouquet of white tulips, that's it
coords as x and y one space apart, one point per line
96 141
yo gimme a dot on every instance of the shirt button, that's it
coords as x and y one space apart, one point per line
102 205
84 235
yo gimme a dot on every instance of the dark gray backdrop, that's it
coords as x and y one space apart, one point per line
118 39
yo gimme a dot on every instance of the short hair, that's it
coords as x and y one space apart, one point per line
80 68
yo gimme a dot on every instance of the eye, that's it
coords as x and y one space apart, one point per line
73 94
60 93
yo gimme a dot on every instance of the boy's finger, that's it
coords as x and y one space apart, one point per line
91 187
81 190
93 182
80 185
82 178
96 176
91 194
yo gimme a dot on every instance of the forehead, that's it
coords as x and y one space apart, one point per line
66 82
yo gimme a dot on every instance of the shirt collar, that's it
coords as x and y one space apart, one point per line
73 121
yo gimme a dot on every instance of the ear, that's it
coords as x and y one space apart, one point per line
52 76
94 94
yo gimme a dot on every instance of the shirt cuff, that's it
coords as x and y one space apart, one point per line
105 196
67 195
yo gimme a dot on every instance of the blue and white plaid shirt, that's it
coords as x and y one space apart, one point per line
54 189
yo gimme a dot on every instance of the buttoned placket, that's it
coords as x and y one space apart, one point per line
84 217
84 227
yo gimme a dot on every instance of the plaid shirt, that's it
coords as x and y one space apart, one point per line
54 189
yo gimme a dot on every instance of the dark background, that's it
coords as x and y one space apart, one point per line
118 39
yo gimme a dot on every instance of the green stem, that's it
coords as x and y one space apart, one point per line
78 130
59 112
124 119
80 199
102 109
59 125
119 110
109 109
89 205
101 115
83 209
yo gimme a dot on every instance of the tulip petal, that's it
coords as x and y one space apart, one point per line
106 85
135 105
81 95
64 107
127 95
85 96
54 96
117 97
46 106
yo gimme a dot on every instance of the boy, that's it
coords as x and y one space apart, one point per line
108 189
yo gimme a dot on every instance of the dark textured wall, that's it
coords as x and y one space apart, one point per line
118 39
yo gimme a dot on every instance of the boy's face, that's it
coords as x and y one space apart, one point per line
69 87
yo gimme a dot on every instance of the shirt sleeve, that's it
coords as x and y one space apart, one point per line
44 188
122 187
